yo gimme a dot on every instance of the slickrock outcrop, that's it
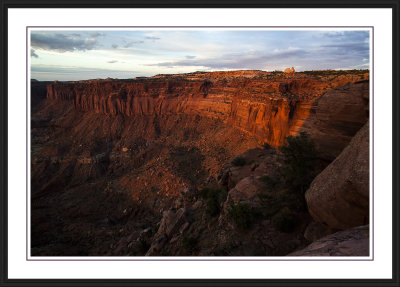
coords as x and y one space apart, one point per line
351 242
339 195
171 225
336 116
289 70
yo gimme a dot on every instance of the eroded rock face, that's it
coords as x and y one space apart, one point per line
351 242
262 104
339 195
336 117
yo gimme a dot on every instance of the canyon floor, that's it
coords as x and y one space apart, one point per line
156 166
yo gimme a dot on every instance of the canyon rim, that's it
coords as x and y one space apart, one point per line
185 142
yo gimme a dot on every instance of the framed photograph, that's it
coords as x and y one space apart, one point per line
224 144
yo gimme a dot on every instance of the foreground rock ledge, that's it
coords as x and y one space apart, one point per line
351 242
339 195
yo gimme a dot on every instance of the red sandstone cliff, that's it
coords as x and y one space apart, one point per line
268 106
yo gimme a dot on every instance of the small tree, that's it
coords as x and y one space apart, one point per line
299 158
284 220
242 214
214 198
266 145
239 161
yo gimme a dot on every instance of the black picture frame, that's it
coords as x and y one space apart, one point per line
8 4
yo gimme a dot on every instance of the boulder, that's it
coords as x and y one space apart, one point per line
246 190
258 162
336 117
339 195
351 242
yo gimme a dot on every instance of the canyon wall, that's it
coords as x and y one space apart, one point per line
117 165
268 106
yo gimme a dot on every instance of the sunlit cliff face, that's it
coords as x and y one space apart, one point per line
263 105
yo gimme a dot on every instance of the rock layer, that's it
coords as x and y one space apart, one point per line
266 105
339 195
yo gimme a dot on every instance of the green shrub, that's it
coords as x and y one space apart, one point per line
213 207
284 220
294 201
266 145
205 191
242 214
270 204
269 181
214 198
189 243
239 161
299 159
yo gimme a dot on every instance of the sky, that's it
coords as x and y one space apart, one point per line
67 55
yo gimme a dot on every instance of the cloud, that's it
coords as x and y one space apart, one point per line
245 60
62 42
33 54
349 46
115 46
152 38
97 34
112 61
347 35
132 43
190 57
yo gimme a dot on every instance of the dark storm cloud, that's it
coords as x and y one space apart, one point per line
62 42
33 54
